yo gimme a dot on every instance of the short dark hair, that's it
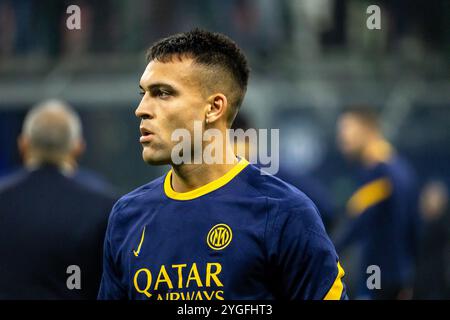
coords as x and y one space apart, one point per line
365 113
210 49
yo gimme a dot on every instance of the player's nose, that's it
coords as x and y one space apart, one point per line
143 110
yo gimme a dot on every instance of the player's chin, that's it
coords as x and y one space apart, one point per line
155 157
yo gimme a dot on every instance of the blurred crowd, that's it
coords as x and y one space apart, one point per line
291 26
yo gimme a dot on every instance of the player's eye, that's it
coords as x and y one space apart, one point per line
142 93
163 94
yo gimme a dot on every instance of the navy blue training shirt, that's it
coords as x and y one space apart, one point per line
245 235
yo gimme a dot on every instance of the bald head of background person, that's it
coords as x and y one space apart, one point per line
51 134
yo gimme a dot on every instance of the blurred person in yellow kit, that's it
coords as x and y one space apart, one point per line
383 215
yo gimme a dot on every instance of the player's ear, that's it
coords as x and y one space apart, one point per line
217 108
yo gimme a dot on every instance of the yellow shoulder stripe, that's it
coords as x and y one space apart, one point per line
336 289
207 188
369 195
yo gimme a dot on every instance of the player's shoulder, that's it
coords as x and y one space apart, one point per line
135 197
276 189
286 203
395 168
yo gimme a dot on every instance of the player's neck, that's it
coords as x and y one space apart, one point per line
188 177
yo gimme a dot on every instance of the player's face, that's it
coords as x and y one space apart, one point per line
172 99
351 135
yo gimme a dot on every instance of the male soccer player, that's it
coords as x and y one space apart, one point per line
383 209
210 231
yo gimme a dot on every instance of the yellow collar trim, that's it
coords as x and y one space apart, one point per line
380 151
207 188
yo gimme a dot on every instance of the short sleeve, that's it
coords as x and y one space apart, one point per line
110 286
304 259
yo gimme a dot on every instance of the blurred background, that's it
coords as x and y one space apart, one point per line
309 59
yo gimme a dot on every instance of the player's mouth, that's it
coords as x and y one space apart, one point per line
146 135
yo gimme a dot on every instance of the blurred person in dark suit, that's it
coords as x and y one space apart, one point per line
50 221
383 215
433 268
